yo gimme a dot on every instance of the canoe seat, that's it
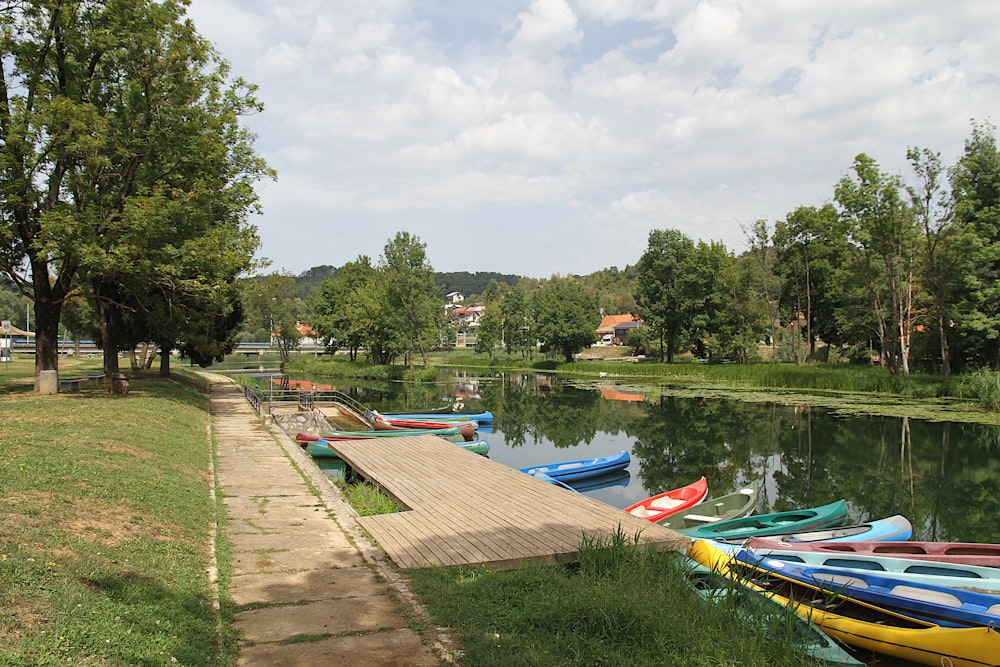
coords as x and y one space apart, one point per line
839 579
665 503
937 597
642 512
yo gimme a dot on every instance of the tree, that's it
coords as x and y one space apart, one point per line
884 230
338 315
111 110
565 317
975 195
659 285
413 297
810 243
488 335
517 331
269 301
941 266
769 285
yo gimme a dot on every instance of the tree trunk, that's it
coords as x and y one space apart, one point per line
47 314
945 354
164 361
48 310
109 338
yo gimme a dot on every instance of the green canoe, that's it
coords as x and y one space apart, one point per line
760 525
730 506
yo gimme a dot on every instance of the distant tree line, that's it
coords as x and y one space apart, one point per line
898 271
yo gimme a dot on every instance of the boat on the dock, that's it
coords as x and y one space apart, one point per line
730 506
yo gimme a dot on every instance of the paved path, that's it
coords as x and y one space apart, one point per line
311 588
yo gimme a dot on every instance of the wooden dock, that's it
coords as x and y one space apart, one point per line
465 509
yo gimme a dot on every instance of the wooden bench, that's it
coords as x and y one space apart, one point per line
95 378
70 384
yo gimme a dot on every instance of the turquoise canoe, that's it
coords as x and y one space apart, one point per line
795 521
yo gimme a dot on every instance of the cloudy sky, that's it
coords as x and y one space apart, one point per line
539 137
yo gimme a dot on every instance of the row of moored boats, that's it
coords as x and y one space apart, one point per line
865 585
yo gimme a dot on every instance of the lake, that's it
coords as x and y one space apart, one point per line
943 476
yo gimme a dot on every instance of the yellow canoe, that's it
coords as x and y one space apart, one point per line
862 625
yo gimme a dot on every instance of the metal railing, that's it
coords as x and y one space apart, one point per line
264 400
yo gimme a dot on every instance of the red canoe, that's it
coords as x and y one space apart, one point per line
379 423
965 553
677 500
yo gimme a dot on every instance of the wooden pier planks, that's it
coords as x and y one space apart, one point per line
468 510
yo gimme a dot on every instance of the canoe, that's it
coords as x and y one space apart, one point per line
860 624
670 502
481 447
966 553
467 429
765 612
568 471
957 575
832 514
894 527
334 434
319 449
729 506
943 605
441 416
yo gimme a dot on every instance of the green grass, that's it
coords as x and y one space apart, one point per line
367 499
621 605
105 529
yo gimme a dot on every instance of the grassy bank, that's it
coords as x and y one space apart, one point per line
106 525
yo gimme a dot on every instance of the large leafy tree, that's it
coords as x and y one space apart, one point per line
565 317
809 244
884 230
270 303
339 313
518 335
120 150
413 298
975 193
670 291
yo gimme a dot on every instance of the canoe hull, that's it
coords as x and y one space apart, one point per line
569 471
723 508
967 553
892 634
662 505
832 514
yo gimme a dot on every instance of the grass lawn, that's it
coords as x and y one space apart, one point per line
105 534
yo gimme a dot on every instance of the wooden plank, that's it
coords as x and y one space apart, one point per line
468 510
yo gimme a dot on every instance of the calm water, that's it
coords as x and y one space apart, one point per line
944 477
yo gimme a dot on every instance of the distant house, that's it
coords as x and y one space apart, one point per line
307 335
615 328
454 297
470 316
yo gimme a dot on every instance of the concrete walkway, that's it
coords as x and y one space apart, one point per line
312 588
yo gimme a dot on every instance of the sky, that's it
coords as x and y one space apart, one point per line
545 137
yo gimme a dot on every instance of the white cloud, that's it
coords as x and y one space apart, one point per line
552 135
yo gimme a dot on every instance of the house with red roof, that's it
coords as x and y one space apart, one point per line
614 328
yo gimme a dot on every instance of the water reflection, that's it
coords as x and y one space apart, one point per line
943 476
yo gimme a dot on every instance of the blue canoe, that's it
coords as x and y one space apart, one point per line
441 416
943 605
567 471
891 528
